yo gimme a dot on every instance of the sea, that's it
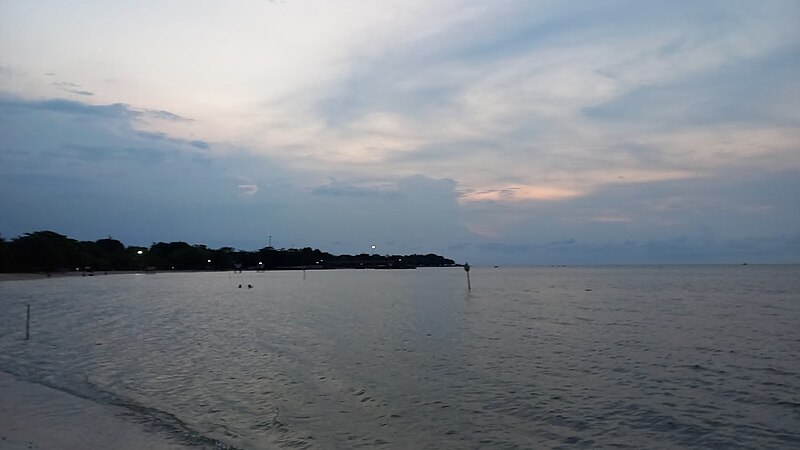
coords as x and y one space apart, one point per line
535 357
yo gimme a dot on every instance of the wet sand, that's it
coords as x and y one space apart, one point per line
40 276
33 416
21 276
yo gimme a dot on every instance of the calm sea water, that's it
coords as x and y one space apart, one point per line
628 357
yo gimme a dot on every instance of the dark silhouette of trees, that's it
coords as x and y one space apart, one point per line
47 251
44 251
112 252
5 255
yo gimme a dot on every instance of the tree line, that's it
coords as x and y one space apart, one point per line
48 251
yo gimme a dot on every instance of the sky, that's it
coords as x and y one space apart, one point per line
499 133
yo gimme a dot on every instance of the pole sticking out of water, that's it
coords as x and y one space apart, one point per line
304 274
28 324
466 269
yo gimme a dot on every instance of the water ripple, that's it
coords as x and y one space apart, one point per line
542 357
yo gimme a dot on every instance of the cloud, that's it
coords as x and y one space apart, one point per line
525 110
656 251
87 170
514 193
410 214
248 189
610 218
62 131
164 115
72 88
94 153
73 107
164 137
514 123
116 110
87 177
736 205
750 91
339 189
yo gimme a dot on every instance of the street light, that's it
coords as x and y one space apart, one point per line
139 252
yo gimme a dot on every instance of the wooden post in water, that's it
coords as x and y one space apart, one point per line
466 269
28 324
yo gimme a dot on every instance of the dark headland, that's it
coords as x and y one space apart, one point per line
50 252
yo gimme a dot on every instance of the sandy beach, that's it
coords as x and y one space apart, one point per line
21 276
33 416
35 276
40 276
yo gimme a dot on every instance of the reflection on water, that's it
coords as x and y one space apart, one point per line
536 357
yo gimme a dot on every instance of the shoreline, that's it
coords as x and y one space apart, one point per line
25 276
43 276
35 416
